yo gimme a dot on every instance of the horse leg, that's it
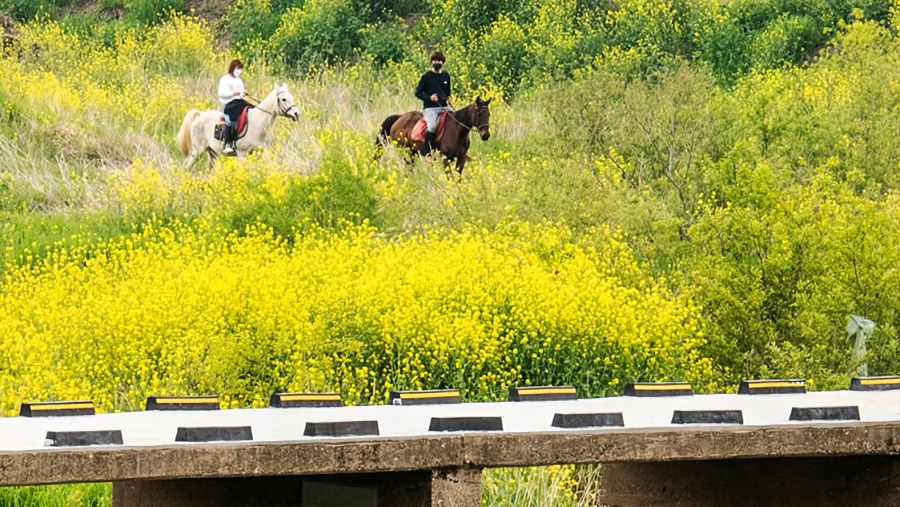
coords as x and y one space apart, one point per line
213 156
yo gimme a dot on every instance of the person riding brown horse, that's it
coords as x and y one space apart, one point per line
434 91
453 142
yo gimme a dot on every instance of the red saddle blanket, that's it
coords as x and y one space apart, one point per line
418 132
241 124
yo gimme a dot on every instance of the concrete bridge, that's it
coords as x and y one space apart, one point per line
656 448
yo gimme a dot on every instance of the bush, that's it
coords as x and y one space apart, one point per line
462 21
250 23
655 24
386 42
335 197
789 39
148 12
320 31
26 10
501 55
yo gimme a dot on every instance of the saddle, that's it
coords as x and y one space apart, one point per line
239 132
418 132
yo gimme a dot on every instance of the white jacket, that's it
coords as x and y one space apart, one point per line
230 88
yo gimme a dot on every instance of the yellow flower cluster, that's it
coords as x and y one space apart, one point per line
186 309
61 77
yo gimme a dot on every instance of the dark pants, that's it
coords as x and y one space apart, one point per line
234 108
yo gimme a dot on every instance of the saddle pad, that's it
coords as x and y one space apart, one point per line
241 124
418 132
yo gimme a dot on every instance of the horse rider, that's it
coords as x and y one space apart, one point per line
231 97
434 91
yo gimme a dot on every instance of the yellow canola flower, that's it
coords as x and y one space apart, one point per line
185 310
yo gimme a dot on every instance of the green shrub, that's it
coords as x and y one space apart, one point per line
652 24
320 31
148 12
721 41
335 197
788 39
386 42
462 21
406 7
502 55
26 10
250 23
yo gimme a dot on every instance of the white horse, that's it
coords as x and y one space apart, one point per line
197 133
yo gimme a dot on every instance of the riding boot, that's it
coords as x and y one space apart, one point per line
228 138
430 144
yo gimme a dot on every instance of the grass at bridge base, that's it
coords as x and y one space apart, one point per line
62 495
553 486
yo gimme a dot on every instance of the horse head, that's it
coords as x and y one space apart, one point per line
285 100
481 118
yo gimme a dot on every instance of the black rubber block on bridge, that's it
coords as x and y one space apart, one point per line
649 389
588 420
790 386
56 408
214 434
875 383
825 413
341 429
542 393
707 417
182 403
82 438
466 424
429 397
306 400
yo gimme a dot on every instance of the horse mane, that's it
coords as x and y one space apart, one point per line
462 115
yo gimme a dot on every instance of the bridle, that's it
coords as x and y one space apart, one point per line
463 125
284 112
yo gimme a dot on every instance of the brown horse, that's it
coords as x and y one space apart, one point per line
454 142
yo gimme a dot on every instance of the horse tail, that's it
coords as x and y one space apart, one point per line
183 137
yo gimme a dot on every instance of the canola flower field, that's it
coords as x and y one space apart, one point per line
669 227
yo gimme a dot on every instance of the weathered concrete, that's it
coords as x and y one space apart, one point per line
460 487
689 443
439 488
873 481
244 459
445 451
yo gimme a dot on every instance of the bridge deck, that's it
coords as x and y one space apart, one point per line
155 428
279 447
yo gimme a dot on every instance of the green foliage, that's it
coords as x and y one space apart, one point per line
405 8
502 55
789 39
27 238
250 23
25 10
320 31
461 21
149 12
332 199
67 495
386 41
784 273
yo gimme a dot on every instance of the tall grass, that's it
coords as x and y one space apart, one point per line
68 495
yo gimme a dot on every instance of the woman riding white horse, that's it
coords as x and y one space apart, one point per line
197 133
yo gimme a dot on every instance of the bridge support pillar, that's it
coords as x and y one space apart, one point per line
873 481
437 488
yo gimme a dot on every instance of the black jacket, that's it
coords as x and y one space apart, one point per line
432 83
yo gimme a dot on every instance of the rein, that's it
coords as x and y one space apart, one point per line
277 96
463 125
